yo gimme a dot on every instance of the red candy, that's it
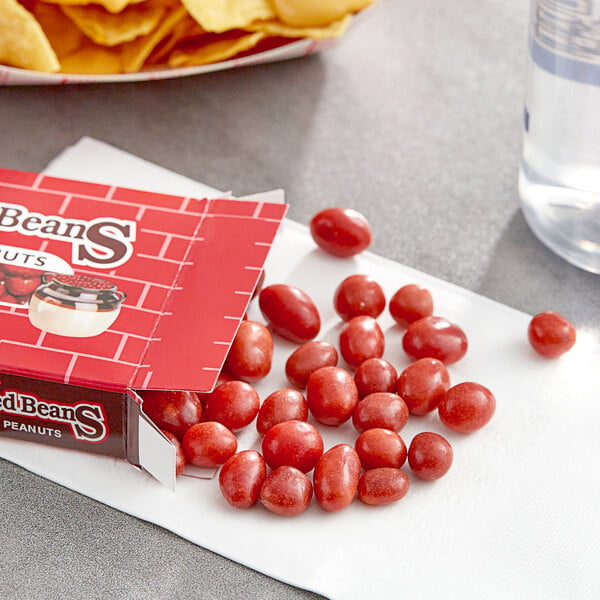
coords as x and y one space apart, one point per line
410 303
377 400
208 444
467 407
550 334
359 295
307 358
87 282
21 286
379 447
294 443
361 338
18 271
7 298
422 384
381 409
180 459
172 411
383 485
235 404
290 312
331 395
280 406
375 375
430 456
336 477
241 478
341 231
435 337
286 491
251 352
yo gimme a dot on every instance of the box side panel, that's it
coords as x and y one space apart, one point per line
211 297
63 415
147 447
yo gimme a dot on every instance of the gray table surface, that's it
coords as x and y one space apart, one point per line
415 120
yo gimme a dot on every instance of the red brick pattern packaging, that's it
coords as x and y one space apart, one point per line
110 289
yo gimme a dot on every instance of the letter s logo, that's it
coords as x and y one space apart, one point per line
107 242
90 424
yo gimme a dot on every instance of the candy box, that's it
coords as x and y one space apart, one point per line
106 291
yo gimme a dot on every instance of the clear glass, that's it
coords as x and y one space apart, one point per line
559 178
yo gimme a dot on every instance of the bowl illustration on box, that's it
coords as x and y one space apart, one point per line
74 305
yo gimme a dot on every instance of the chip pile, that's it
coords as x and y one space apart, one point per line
128 36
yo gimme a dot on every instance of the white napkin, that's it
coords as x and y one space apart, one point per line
516 516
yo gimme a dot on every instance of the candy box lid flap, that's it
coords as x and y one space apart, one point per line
146 290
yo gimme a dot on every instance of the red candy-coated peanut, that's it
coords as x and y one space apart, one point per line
286 491
550 334
361 338
307 358
19 271
251 352
208 444
375 375
379 447
383 485
422 384
410 303
294 443
336 477
180 460
241 478
331 395
8 299
21 286
172 410
381 409
235 404
341 231
358 295
290 312
430 455
467 407
435 337
279 406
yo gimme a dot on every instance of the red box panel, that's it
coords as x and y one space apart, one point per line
36 201
19 177
181 283
74 187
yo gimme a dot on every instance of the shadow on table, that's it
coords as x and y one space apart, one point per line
243 129
525 274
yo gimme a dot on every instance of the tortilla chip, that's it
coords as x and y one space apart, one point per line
23 43
276 28
218 16
223 47
63 35
113 6
92 60
185 29
316 13
134 54
109 29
